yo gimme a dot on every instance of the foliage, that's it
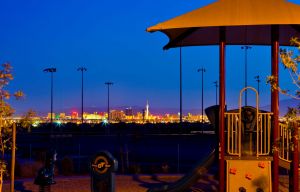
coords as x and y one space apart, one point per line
290 62
6 111
291 113
27 119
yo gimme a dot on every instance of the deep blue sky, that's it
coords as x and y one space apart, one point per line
109 39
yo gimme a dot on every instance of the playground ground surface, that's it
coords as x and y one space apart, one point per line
124 183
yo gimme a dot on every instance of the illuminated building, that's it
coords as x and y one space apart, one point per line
62 115
92 116
49 115
127 116
74 115
147 111
116 115
129 111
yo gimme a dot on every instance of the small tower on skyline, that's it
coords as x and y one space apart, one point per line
147 111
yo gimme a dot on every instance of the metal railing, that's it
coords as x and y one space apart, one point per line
264 134
260 136
285 137
234 134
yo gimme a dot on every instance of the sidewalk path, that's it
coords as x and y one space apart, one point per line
124 183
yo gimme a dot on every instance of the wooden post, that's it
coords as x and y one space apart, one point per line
275 106
222 110
13 159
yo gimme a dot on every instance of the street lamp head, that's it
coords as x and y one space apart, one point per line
246 47
50 70
82 69
216 83
108 83
257 78
201 69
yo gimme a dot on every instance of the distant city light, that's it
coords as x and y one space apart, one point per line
105 122
126 116
58 123
35 124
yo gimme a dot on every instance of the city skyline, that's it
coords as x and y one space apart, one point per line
109 39
284 104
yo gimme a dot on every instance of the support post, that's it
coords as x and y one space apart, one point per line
180 81
51 101
222 110
275 106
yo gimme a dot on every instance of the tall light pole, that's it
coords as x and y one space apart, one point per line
258 81
202 70
216 85
82 69
51 71
180 80
246 47
108 85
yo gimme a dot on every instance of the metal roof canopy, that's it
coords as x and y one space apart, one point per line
245 22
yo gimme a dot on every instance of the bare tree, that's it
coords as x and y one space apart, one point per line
290 61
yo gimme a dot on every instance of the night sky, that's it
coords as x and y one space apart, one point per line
109 39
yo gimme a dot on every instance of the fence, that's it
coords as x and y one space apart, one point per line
236 129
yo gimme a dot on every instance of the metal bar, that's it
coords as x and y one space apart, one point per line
261 135
275 104
269 134
82 97
222 45
237 130
228 132
51 99
257 118
108 107
266 119
180 82
281 135
232 134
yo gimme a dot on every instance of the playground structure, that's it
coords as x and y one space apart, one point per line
245 22
248 153
248 148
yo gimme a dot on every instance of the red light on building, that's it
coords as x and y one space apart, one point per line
74 115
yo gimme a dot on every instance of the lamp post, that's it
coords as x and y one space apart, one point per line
82 69
51 71
258 81
246 47
202 70
108 85
180 81
216 85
